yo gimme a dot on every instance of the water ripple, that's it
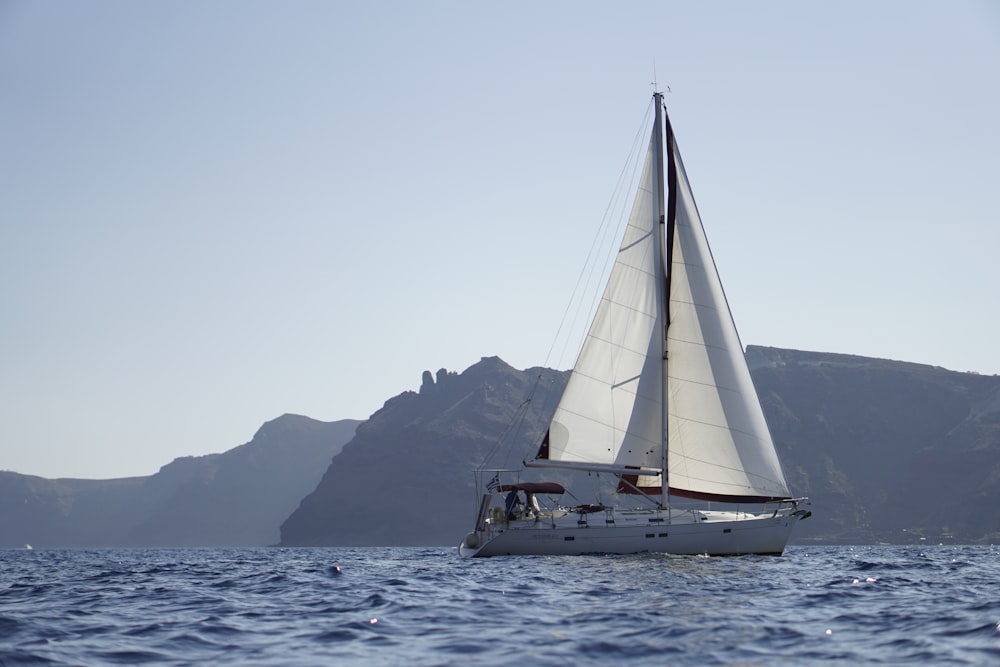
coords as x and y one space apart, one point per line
815 606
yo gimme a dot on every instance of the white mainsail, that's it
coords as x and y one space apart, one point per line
612 411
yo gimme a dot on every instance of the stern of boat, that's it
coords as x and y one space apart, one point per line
471 544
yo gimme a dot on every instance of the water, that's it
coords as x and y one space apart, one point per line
425 606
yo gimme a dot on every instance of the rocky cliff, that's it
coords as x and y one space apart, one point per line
887 451
406 478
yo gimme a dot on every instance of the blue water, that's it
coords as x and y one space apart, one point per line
424 606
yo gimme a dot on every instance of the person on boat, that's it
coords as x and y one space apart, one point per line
531 505
513 505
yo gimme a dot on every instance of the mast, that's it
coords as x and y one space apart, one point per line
662 265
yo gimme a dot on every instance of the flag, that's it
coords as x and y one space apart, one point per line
494 483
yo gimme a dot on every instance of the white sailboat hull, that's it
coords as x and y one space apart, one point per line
711 533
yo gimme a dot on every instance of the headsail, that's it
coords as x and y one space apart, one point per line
720 446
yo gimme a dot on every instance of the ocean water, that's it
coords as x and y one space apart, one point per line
937 605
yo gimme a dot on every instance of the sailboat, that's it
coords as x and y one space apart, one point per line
660 401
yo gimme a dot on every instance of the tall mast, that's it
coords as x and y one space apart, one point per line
662 239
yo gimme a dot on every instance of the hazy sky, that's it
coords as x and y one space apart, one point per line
215 213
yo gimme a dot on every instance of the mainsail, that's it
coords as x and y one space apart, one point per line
610 412
614 414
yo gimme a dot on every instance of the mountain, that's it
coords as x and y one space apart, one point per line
237 498
406 478
887 451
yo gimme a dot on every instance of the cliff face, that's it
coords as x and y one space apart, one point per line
238 498
406 478
65 512
887 451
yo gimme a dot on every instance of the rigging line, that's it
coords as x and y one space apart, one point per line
521 420
517 420
582 286
550 396
639 492
623 215
622 202
618 202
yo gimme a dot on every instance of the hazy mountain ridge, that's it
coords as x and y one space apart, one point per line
237 498
406 478
887 451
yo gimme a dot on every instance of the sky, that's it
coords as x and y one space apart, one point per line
212 214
